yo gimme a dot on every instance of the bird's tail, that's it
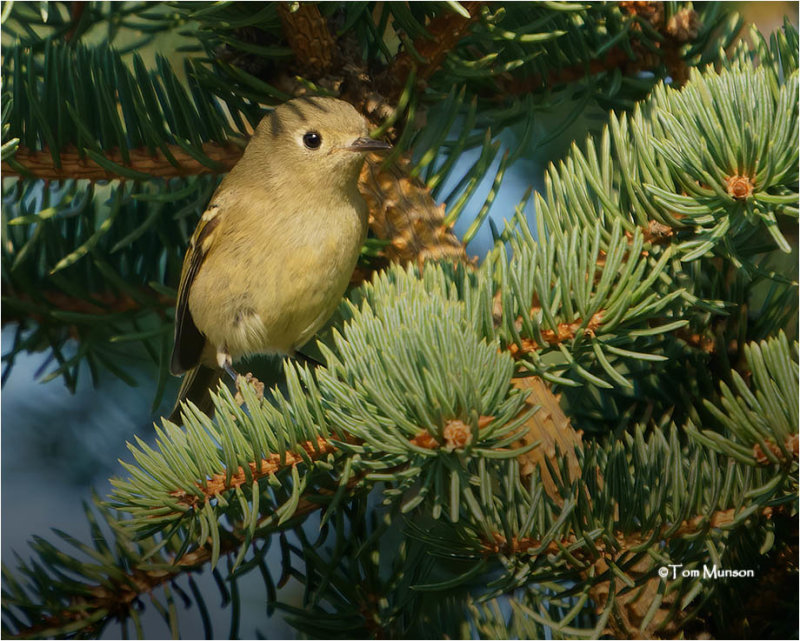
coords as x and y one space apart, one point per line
197 385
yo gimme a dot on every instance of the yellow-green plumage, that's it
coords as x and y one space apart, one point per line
273 253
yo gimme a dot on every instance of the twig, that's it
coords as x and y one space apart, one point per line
121 595
271 465
39 163
683 27
446 30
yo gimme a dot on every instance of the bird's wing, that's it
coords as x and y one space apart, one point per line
189 340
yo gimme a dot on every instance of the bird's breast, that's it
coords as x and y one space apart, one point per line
278 284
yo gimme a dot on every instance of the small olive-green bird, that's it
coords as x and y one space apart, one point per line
274 251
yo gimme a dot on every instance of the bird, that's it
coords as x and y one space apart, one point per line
274 250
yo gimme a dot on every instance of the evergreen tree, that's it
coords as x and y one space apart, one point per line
561 438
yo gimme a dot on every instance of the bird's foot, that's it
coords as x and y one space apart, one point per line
248 378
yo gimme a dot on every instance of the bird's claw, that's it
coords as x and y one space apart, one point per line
248 378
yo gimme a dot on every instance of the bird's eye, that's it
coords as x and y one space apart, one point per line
312 140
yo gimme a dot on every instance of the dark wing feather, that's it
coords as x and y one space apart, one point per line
189 340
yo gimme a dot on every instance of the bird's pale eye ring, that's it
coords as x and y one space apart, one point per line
312 140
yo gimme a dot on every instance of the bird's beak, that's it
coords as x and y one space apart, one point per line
367 144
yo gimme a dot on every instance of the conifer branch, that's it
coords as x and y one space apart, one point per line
443 33
97 304
564 332
119 592
651 297
74 164
77 8
616 59
225 481
625 542
633 614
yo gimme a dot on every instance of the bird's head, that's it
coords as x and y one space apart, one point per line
316 140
